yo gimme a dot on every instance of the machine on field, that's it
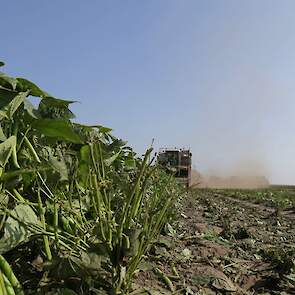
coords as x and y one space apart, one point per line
178 162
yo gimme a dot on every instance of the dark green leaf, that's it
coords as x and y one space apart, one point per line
7 82
59 166
6 96
102 129
16 232
2 63
54 108
59 129
50 101
116 144
66 292
26 85
130 163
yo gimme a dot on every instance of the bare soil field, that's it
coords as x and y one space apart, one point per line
222 244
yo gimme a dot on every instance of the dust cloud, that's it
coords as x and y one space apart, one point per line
244 174
237 181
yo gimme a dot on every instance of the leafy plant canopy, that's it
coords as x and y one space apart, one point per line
78 208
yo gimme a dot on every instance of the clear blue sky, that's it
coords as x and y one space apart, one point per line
215 76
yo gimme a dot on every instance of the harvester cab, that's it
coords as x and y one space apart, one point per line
178 162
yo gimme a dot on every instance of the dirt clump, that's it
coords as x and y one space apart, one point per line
210 249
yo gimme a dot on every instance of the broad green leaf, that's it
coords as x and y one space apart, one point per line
26 85
116 144
130 163
84 128
22 172
2 63
15 103
53 102
15 228
57 163
59 166
110 160
54 108
6 96
2 135
59 129
6 149
88 262
3 115
4 199
102 129
7 82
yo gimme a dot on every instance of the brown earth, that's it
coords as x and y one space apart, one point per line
223 247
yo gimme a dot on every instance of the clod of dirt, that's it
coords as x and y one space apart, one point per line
204 228
209 249
219 280
247 282
224 284
241 233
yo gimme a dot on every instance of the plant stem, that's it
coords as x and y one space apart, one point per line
42 218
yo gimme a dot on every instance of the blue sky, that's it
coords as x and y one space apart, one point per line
215 76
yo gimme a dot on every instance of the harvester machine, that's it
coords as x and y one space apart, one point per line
178 162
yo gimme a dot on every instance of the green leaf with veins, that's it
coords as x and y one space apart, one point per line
15 104
15 228
59 129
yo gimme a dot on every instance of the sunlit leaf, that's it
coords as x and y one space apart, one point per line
2 135
15 103
6 149
110 160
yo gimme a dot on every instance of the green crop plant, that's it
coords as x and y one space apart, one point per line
83 196
9 284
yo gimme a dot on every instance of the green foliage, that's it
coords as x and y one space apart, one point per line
79 193
16 228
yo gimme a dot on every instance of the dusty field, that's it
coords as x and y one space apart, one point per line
223 245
